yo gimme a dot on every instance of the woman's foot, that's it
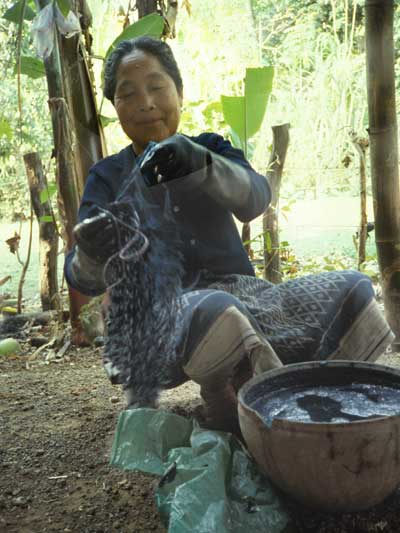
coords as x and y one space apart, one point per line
220 410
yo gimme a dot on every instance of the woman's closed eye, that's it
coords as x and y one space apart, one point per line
128 94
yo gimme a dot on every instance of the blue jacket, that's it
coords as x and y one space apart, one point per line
210 237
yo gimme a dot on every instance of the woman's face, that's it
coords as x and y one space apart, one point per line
146 100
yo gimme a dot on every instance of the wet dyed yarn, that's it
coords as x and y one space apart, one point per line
144 280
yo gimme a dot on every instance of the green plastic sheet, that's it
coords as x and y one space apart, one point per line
209 483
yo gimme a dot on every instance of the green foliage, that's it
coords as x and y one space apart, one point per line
5 129
32 67
152 25
317 48
105 121
202 115
16 139
293 266
268 241
234 111
257 87
244 114
371 268
47 193
64 6
13 14
46 218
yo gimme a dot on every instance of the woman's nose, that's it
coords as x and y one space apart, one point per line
145 102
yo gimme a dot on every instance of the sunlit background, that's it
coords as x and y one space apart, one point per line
319 87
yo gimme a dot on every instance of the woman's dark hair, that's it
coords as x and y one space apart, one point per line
157 48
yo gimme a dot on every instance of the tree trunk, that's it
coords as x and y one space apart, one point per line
361 144
69 168
384 151
48 236
89 141
272 260
146 7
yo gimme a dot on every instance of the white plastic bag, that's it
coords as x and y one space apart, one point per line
44 24
67 26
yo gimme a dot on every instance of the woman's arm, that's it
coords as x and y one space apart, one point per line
221 171
84 271
233 183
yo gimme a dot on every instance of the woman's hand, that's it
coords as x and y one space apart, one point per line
172 158
96 237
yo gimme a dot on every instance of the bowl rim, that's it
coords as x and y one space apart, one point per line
314 426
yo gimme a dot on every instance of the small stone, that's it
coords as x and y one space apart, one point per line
40 452
115 399
20 501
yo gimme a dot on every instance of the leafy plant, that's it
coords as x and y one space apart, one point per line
244 114
152 25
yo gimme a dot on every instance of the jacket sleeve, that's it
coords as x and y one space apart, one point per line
81 272
246 191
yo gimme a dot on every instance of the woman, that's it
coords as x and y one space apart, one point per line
157 227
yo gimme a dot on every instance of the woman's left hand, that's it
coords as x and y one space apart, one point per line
173 158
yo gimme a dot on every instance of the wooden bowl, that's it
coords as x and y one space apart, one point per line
336 467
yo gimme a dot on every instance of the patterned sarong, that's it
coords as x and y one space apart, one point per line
316 317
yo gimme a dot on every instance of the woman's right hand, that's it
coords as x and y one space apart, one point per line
96 237
173 158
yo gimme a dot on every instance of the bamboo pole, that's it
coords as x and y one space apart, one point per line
384 151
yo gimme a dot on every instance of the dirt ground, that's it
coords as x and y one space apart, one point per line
57 421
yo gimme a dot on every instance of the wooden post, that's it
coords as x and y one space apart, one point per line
25 266
272 260
384 151
48 236
146 7
361 144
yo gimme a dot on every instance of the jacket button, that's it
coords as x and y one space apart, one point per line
176 209
192 242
